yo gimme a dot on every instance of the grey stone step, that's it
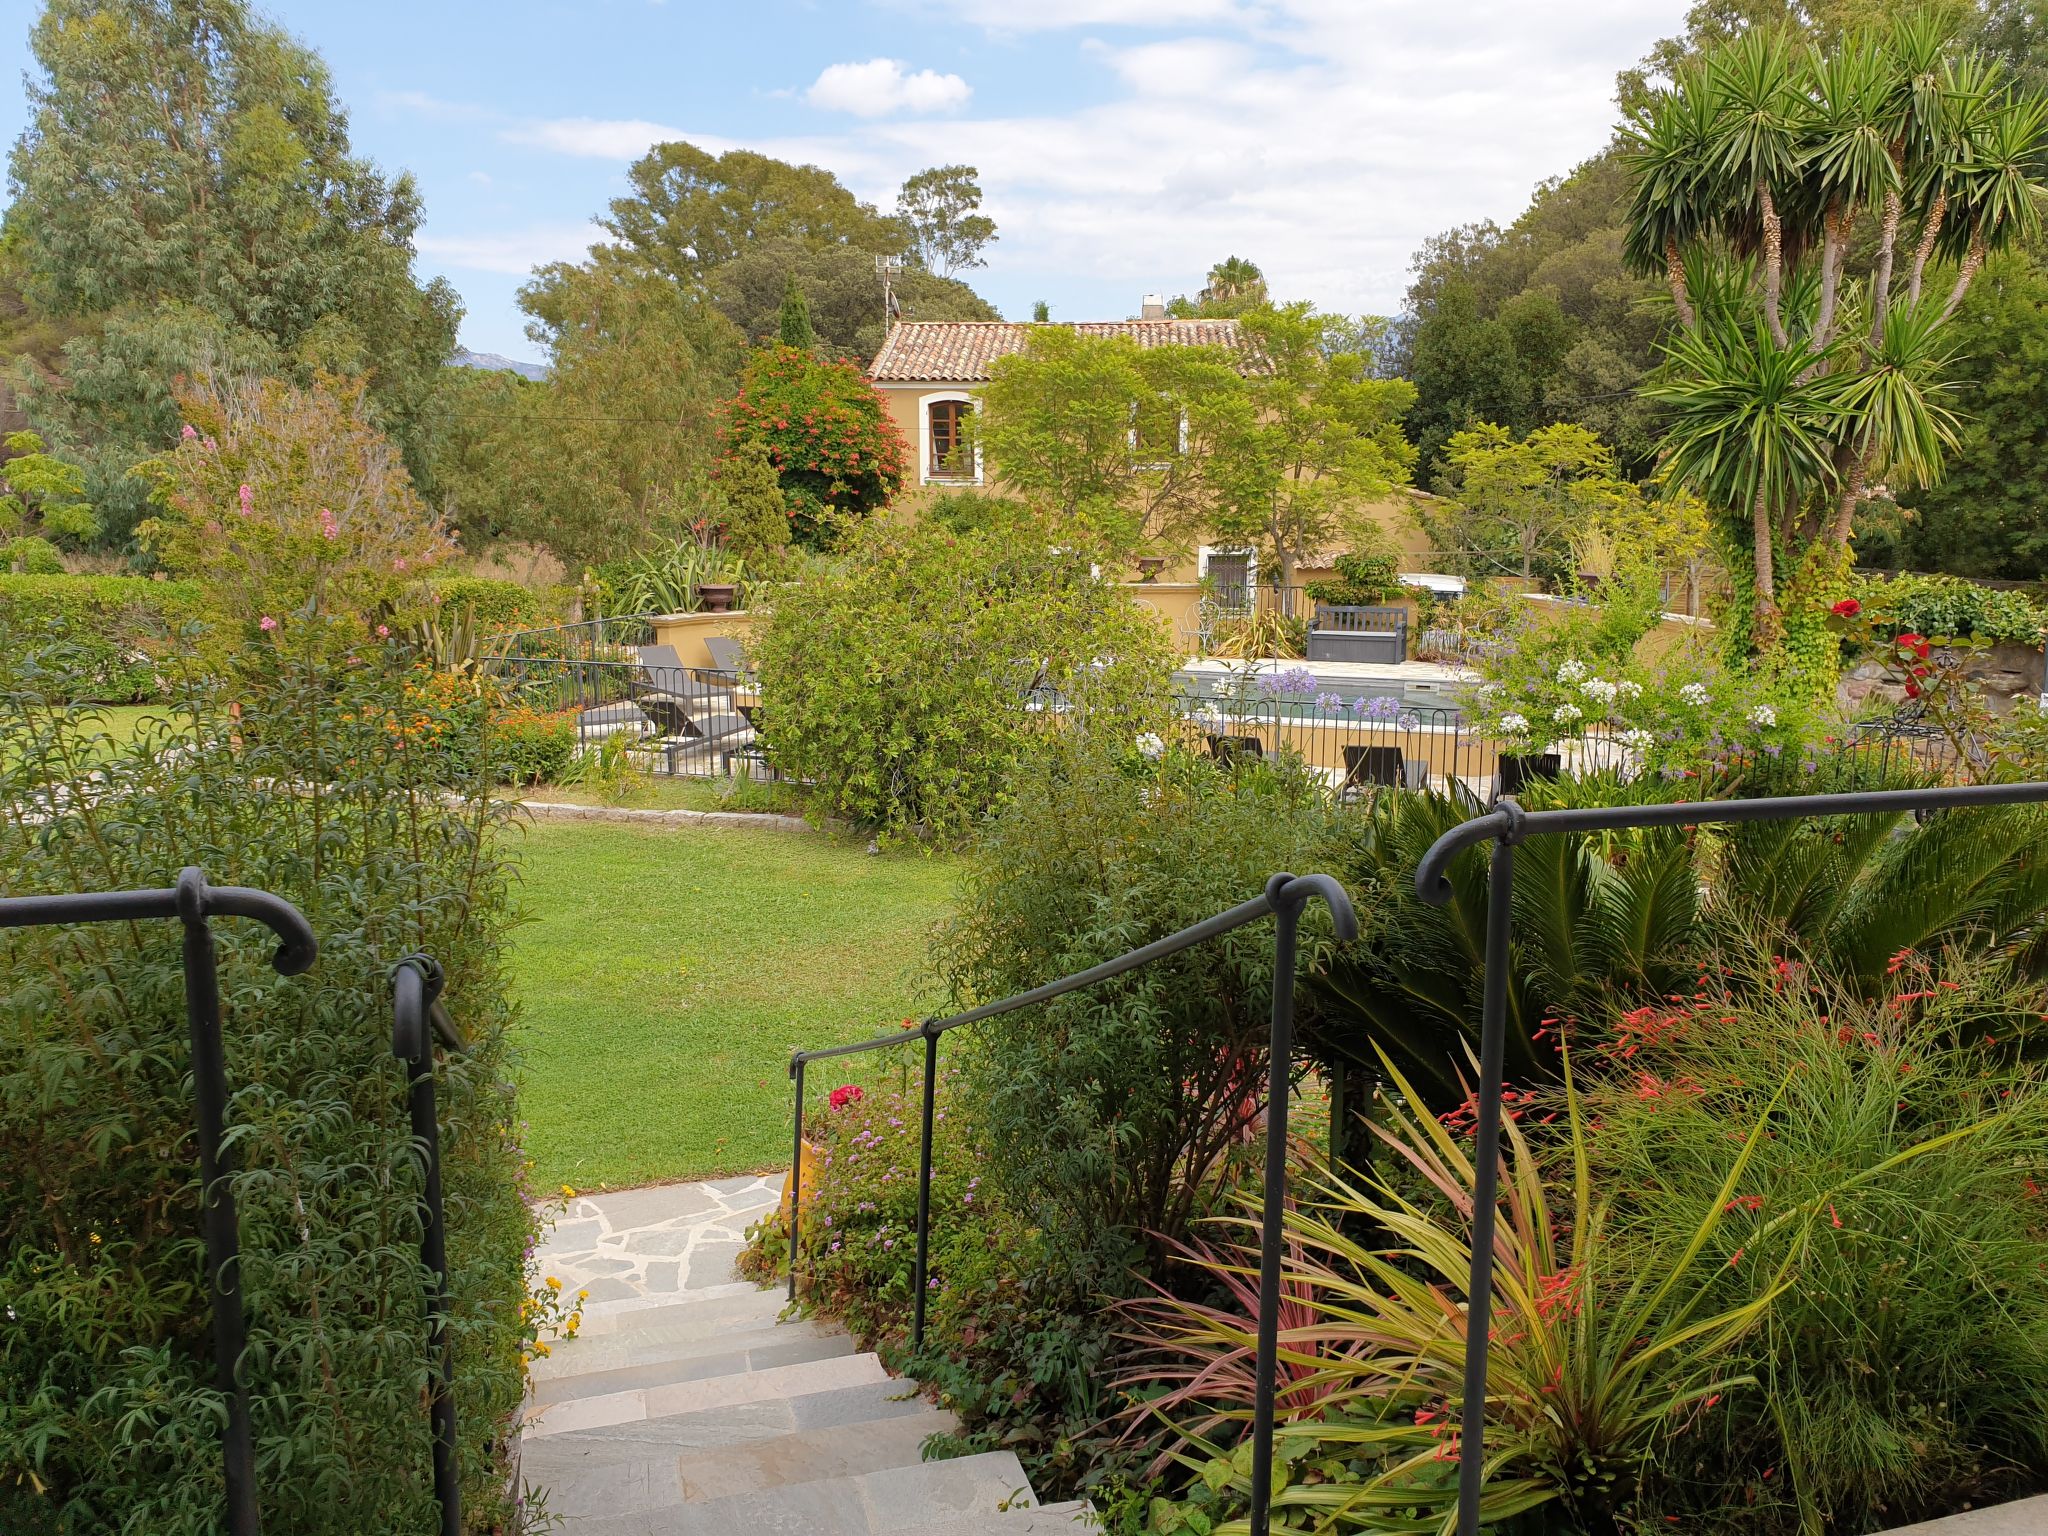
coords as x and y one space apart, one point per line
744 1352
580 1356
666 1437
1075 1518
2026 1517
703 1311
642 1403
895 1499
694 1476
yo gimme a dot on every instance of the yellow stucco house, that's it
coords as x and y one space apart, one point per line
929 372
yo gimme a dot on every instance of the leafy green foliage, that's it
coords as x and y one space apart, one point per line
911 683
287 502
1312 435
840 288
1985 516
1362 579
1116 441
1955 609
641 363
119 629
498 606
30 556
317 791
828 433
248 232
793 322
1595 1350
939 209
1901 1368
39 485
1111 1118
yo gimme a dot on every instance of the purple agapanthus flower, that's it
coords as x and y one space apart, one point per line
1295 680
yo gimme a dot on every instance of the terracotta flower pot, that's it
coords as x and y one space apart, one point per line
716 596
814 1167
1149 567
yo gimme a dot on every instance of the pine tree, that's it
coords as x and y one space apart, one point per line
794 326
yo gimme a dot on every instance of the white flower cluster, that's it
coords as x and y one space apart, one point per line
1694 693
1629 690
1514 725
1565 714
1571 671
1640 740
1151 746
1600 691
1763 714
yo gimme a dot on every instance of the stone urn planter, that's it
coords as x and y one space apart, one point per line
717 596
1149 567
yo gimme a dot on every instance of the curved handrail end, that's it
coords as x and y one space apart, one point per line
1432 873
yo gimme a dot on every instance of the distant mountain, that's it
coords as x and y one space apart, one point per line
462 357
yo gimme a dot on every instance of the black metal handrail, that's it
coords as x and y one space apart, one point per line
1285 898
192 901
1506 826
417 1021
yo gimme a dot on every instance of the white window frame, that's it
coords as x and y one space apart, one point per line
924 439
1131 441
1251 564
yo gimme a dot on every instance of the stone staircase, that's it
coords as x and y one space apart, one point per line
687 1407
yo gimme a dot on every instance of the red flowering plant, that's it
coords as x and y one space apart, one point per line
1926 674
828 433
1895 1189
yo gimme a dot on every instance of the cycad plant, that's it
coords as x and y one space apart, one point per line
1797 380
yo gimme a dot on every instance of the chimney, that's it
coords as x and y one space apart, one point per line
1152 307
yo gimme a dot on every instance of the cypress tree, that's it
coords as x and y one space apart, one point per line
794 324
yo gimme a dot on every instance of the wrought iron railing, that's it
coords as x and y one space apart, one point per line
1285 898
192 901
418 1021
1507 826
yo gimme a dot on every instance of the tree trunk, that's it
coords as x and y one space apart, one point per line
1674 274
1971 262
1774 264
1853 484
1833 247
1765 631
1925 250
1881 279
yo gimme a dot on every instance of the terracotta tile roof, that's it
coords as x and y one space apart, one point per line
960 351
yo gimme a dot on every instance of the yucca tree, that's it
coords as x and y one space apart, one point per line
1794 382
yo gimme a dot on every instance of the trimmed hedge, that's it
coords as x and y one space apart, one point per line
501 606
1960 609
123 625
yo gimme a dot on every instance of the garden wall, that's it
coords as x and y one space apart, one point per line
687 632
2006 671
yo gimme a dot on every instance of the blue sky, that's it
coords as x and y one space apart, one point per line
1124 145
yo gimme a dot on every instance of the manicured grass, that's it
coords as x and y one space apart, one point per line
666 973
672 794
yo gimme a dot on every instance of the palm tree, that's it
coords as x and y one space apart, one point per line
1234 280
1793 383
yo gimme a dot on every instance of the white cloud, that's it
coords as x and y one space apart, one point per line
880 88
516 251
596 138
481 178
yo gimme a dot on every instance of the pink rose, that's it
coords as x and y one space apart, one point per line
267 624
383 631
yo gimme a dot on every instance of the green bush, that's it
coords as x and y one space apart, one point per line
1112 1117
909 685
501 607
531 747
1892 1215
31 556
108 1416
1955 609
1361 580
119 629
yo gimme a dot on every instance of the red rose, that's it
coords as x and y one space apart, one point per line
1848 608
1912 690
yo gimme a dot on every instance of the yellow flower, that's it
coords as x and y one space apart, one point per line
568 1192
542 1350
583 1295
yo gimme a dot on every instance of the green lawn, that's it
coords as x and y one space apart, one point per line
666 973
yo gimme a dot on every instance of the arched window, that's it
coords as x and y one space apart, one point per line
946 436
